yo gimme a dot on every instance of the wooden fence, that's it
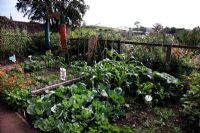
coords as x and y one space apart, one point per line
81 46
120 43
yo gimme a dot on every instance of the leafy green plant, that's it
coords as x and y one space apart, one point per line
48 60
160 120
52 61
188 37
16 98
191 101
32 65
13 41
74 108
136 80
164 116
82 33
108 128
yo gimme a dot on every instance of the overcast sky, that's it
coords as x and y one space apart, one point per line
119 13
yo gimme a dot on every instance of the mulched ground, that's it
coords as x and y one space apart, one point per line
11 122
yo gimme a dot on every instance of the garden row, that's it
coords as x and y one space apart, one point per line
97 103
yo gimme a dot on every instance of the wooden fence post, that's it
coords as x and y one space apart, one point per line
78 52
119 47
168 54
84 48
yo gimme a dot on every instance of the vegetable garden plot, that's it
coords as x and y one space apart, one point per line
96 103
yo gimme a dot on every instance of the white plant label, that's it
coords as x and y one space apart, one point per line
12 58
62 74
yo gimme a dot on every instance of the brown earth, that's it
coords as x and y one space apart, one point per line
11 122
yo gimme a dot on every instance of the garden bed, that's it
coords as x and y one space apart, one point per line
118 96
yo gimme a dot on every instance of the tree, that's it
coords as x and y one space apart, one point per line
39 10
143 29
137 24
157 27
173 30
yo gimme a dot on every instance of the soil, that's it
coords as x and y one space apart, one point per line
137 115
11 122
8 66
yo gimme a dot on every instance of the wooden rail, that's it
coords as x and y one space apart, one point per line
34 91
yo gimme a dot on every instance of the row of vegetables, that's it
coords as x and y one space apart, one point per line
94 104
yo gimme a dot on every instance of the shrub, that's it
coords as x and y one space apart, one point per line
16 98
191 100
12 78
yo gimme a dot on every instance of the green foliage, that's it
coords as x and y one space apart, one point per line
37 43
106 127
86 32
152 38
163 115
82 33
52 61
160 120
32 65
16 98
74 108
48 60
182 65
188 37
40 10
44 78
135 80
191 100
150 56
12 78
13 41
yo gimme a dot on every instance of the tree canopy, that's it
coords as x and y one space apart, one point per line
39 10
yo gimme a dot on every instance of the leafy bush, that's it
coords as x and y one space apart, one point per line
135 80
106 127
13 41
48 60
75 108
188 37
32 65
191 100
82 33
12 78
16 98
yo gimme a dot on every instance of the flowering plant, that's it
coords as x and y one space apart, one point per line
12 78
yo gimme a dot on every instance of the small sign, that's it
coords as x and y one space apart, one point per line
12 58
62 74
30 57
